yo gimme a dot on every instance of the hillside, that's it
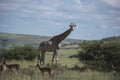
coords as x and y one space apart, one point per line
114 38
8 39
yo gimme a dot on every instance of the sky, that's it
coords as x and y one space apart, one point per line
94 19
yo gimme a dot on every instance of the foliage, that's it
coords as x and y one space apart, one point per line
26 52
101 55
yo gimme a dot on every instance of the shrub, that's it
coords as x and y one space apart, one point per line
26 52
101 55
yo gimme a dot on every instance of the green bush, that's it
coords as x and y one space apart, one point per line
101 55
26 52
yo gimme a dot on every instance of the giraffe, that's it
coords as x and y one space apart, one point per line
54 44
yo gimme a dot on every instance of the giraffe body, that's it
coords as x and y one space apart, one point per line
53 45
49 46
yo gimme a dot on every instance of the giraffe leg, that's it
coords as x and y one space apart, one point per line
38 59
56 56
42 57
53 58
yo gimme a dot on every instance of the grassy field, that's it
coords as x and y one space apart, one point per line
28 70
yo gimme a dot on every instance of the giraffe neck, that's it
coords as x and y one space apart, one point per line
59 38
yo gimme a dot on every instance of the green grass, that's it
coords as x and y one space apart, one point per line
28 70
64 57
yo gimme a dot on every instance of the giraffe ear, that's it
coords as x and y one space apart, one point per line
70 24
75 25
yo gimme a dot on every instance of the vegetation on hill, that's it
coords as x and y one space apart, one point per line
114 38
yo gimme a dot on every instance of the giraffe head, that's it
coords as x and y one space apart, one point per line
72 26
